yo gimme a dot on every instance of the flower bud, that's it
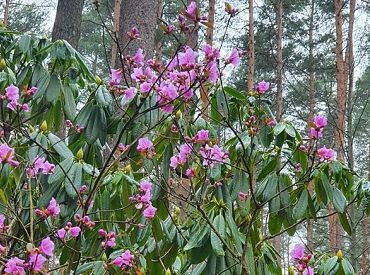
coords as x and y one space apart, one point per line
29 247
80 154
44 126
178 114
291 270
340 255
98 80
127 168
168 272
2 64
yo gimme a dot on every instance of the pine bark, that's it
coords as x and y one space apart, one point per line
116 20
209 40
6 12
250 77
193 34
67 24
279 60
142 15
311 107
349 60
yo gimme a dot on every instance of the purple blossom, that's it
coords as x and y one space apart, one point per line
144 145
36 261
201 136
125 260
47 247
191 10
233 58
149 212
12 93
320 121
325 154
7 155
187 58
262 87
75 231
116 76
15 266
298 252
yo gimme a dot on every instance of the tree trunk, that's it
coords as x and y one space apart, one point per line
350 71
279 60
193 34
67 24
335 230
279 79
250 77
209 40
116 19
6 12
311 108
142 15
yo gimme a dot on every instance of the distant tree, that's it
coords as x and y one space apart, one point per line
67 24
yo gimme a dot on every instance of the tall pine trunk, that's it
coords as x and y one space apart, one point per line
279 60
6 12
250 77
349 60
279 83
116 20
209 40
311 106
335 230
67 24
142 15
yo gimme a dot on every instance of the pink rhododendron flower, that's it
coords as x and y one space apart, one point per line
145 87
3 227
187 58
61 233
36 261
320 121
7 155
144 145
190 172
75 231
139 57
230 10
2 249
52 210
129 94
262 87
211 53
233 58
325 154
31 91
212 155
298 252
212 72
12 93
133 33
149 212
125 260
191 10
116 76
308 271
201 136
169 29
315 134
47 247
15 266
146 186
243 196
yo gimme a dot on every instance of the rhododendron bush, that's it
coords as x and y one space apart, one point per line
131 174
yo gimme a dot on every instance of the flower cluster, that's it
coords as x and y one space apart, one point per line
7 155
3 226
12 95
110 238
325 154
145 147
36 259
317 127
79 129
212 155
38 164
73 231
125 260
301 260
182 157
143 200
85 221
262 87
52 210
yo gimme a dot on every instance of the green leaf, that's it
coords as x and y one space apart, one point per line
93 127
75 175
339 201
215 115
331 265
344 222
234 93
196 238
279 128
70 107
216 172
347 267
290 130
85 267
54 89
59 174
268 168
217 246
59 146
301 206
103 97
99 268
274 224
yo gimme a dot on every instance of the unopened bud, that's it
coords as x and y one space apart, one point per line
80 154
98 80
128 168
178 114
29 247
168 272
44 126
2 64
291 270
340 255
